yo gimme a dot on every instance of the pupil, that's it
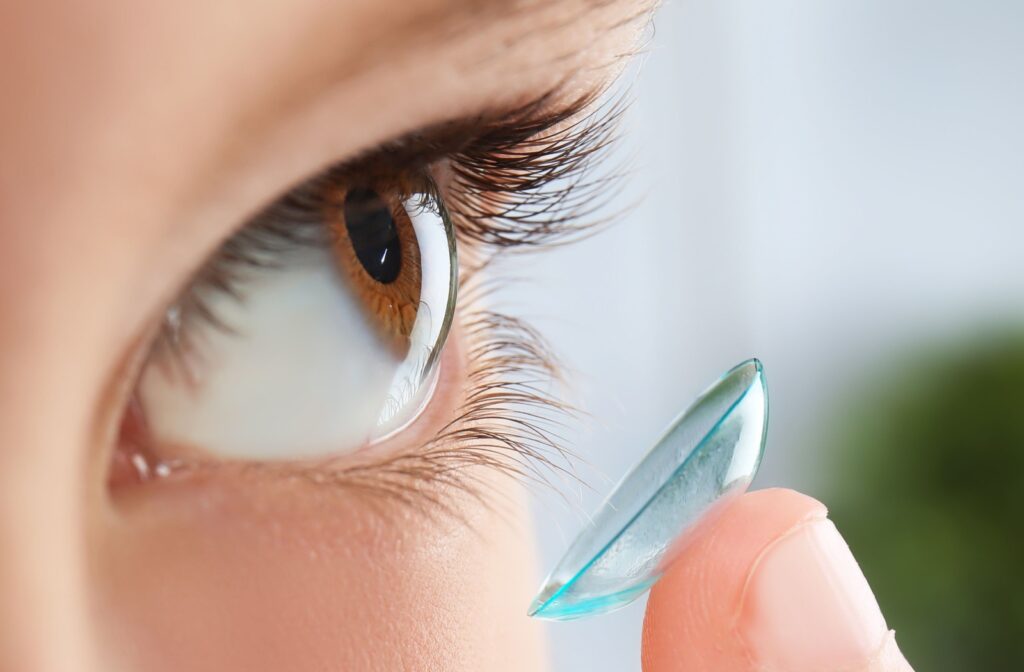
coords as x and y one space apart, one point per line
373 234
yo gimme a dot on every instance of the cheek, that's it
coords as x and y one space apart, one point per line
298 576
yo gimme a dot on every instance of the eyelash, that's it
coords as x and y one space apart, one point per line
528 180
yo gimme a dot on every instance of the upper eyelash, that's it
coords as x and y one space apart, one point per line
529 180
524 180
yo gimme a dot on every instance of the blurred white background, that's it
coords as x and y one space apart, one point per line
824 183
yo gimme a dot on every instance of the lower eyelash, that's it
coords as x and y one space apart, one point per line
508 423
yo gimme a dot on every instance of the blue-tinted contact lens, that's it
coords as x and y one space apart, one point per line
710 452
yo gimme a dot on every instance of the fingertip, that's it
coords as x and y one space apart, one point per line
695 603
768 583
775 509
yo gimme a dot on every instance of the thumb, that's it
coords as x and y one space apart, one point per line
769 586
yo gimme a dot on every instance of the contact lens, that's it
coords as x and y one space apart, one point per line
708 454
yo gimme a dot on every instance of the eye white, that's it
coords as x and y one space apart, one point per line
301 372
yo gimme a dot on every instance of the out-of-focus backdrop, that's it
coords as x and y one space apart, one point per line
837 188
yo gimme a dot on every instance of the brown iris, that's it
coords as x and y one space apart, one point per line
377 251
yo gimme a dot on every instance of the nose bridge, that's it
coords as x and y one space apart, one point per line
64 248
43 624
43 590
44 512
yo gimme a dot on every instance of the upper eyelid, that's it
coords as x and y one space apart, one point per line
403 155
561 135
235 175
499 161
545 130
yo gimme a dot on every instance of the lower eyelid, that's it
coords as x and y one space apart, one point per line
487 419
137 464
479 425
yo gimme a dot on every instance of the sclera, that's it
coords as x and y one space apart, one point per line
708 453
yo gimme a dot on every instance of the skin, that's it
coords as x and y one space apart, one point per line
135 138
769 586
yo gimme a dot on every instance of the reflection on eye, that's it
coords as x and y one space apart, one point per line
323 323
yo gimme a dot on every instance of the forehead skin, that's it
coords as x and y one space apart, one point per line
133 137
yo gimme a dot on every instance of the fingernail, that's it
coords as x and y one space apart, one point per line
807 606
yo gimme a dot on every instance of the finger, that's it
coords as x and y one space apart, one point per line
770 586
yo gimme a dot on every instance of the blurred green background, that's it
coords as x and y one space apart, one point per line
928 489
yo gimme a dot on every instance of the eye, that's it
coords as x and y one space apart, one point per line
313 331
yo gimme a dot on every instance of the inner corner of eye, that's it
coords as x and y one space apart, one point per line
332 347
